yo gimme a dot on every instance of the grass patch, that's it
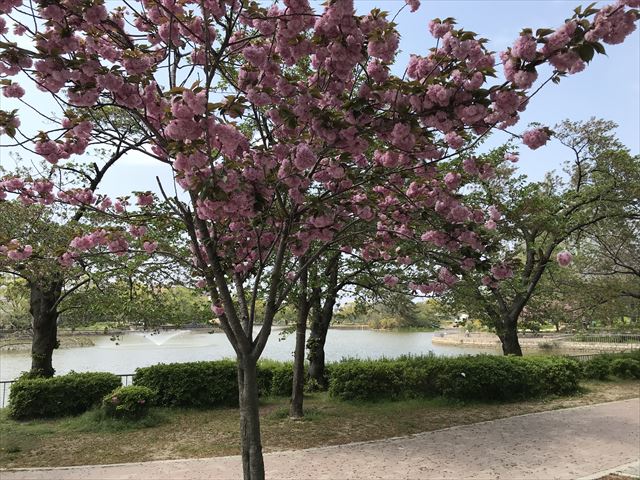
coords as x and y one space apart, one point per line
171 433
96 421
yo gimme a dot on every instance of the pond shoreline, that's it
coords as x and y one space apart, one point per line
548 344
21 341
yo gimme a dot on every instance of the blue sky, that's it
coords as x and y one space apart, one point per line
609 88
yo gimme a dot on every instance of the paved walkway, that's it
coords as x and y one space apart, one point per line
561 444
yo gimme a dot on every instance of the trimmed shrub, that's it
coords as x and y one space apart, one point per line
275 378
481 377
484 377
596 368
69 394
130 403
210 384
601 367
625 368
192 384
366 380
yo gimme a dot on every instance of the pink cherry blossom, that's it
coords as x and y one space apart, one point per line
145 199
13 91
564 258
150 247
390 280
524 48
535 138
414 4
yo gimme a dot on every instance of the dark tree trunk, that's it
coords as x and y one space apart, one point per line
44 312
509 337
252 462
297 391
315 345
321 319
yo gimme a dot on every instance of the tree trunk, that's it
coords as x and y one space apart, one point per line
251 444
322 315
317 339
44 311
297 391
509 338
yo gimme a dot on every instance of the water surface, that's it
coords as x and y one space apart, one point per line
138 349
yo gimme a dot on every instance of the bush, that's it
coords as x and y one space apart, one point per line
601 367
130 403
210 384
625 368
192 384
275 378
366 380
597 368
69 394
481 377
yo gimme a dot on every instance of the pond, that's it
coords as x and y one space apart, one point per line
139 349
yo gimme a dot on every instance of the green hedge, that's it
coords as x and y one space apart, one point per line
192 384
481 377
209 384
69 394
620 365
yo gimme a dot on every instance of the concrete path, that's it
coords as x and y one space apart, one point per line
561 444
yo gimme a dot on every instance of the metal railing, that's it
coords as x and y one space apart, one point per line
606 337
5 386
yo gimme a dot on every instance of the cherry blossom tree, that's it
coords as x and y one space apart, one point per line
536 225
39 236
285 128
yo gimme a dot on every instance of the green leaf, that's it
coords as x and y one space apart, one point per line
586 52
598 47
543 32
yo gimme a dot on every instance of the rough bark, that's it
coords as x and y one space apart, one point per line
297 392
321 319
43 308
509 338
317 339
252 462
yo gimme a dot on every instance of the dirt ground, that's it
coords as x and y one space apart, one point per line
561 444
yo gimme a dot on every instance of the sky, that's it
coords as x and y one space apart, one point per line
609 88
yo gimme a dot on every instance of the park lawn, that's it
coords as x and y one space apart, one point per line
183 433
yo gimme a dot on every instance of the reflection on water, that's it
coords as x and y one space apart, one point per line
126 352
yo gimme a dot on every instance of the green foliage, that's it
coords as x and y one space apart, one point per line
394 313
99 421
130 402
192 384
592 212
625 368
121 303
620 365
210 384
59 396
481 377
275 378
14 303
366 380
596 368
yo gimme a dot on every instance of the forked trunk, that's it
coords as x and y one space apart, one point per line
252 462
44 312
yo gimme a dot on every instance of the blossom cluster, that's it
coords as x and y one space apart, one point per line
335 139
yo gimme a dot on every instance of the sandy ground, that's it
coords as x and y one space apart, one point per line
561 444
